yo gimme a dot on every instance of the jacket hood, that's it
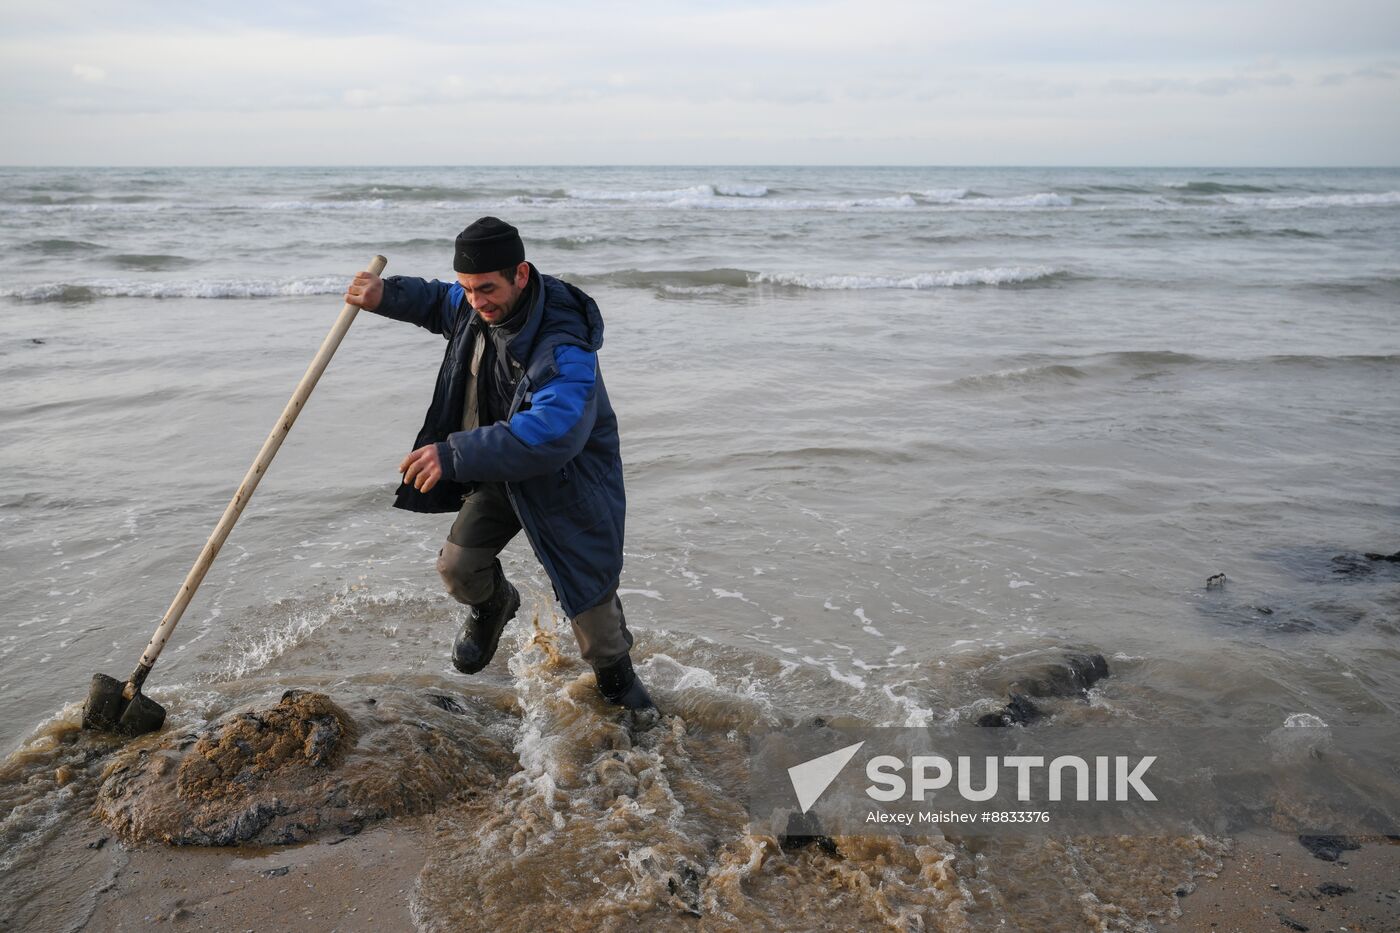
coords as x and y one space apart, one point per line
560 314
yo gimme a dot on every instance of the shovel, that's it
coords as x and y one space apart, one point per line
122 708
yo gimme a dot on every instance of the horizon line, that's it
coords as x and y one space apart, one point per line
771 165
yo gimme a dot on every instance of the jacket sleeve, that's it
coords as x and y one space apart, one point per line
538 440
432 305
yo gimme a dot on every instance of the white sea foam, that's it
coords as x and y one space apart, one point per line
866 625
671 194
687 290
368 204
738 198
944 195
1382 199
900 201
666 672
664 196
195 288
1303 721
915 716
96 208
649 594
300 206
270 644
1043 199
693 202
850 680
757 198
668 195
1001 275
741 191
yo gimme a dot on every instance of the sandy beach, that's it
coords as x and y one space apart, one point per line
367 883
1270 882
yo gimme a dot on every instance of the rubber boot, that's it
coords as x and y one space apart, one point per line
476 642
621 686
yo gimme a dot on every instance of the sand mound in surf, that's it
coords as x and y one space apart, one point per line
304 732
305 767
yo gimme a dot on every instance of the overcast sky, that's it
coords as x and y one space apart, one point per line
1073 82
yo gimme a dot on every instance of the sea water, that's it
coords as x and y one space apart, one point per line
885 431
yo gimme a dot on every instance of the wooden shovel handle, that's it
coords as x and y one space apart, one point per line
245 491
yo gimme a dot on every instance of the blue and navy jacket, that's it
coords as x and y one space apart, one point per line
557 452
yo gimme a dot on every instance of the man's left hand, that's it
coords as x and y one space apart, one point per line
422 469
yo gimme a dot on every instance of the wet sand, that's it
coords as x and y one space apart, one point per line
367 882
347 884
1271 882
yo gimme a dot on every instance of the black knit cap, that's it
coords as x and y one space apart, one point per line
488 245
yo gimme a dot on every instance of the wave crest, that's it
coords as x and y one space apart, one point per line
1036 376
1000 275
1371 199
72 293
669 195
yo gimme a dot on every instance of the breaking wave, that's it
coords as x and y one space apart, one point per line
1207 196
360 193
1001 275
136 207
672 281
71 293
672 194
1381 199
1016 202
735 197
359 204
1037 376
687 282
943 195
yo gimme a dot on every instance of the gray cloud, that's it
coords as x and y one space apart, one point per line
1215 86
1375 72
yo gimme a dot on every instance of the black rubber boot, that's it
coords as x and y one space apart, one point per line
621 686
476 642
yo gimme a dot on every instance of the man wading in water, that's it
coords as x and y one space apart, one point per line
520 435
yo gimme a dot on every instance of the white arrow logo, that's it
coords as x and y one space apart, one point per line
811 778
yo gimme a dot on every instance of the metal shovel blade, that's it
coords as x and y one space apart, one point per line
107 710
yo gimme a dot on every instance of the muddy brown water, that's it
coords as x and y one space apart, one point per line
550 811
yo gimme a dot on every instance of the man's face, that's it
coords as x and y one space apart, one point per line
491 294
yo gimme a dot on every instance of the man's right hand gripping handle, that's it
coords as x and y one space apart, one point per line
366 291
